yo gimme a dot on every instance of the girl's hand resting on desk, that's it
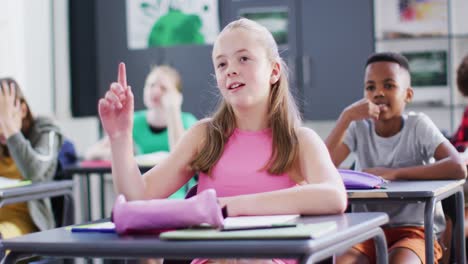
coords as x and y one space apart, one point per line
10 110
385 173
116 108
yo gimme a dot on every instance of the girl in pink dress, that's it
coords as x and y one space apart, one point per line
253 151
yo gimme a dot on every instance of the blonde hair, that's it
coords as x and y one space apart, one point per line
283 115
172 72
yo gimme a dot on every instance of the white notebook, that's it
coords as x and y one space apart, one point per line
245 222
8 183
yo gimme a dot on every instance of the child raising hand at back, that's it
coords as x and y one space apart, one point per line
253 151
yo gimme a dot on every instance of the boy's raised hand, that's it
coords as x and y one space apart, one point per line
362 109
116 108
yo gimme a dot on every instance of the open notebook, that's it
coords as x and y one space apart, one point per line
256 222
10 183
230 224
102 227
301 231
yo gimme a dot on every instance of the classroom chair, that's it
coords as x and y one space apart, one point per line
448 205
67 157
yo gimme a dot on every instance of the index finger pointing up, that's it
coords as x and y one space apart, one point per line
122 76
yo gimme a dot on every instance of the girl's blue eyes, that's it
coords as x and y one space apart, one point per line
241 59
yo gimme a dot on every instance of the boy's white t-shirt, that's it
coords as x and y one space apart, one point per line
414 145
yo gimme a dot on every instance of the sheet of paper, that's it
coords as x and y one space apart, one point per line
97 227
247 221
9 183
301 231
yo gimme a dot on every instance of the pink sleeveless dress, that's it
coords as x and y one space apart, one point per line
239 171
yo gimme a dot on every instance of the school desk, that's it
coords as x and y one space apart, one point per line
429 193
39 190
351 228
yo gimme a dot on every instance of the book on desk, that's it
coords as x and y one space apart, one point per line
11 183
299 231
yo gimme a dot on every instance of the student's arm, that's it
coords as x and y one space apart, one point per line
448 165
116 113
172 101
162 180
324 192
175 171
335 141
36 161
359 110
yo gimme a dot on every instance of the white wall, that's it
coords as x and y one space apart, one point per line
62 77
12 57
38 56
26 52
36 52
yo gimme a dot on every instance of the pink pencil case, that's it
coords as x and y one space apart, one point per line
157 215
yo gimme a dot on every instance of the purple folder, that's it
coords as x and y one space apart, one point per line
360 180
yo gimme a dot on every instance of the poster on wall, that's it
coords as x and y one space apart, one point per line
428 68
411 18
162 23
274 19
422 10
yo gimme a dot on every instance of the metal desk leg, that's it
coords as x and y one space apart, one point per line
85 205
381 250
103 201
68 217
376 233
12 258
429 229
88 193
459 230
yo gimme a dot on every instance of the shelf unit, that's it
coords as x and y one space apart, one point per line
433 35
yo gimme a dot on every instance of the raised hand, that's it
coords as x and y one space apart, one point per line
363 109
116 108
10 110
171 100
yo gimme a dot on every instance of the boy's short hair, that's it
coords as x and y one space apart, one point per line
462 76
389 57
